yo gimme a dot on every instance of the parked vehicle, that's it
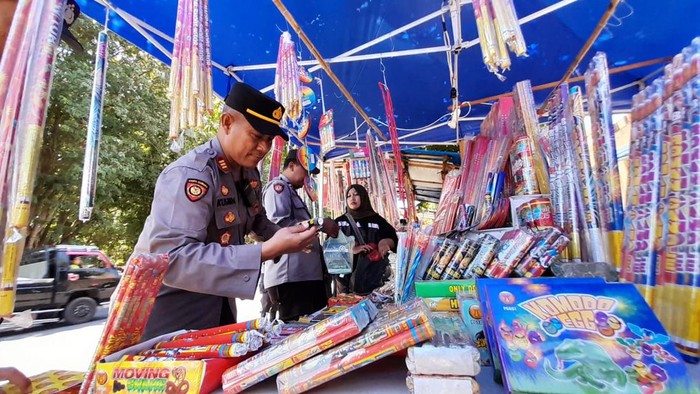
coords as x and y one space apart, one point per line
65 282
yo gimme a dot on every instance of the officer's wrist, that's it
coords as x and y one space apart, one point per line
268 251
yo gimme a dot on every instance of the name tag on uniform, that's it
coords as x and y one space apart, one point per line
224 201
373 225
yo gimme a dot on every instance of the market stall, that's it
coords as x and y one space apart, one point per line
513 285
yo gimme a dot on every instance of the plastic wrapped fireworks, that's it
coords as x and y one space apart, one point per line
132 307
608 174
426 384
299 347
392 332
511 250
547 248
428 359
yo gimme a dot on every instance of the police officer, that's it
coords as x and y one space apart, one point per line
203 206
296 284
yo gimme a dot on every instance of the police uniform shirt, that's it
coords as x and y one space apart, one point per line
200 217
285 207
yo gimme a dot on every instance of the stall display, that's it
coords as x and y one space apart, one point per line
661 255
287 82
566 337
50 382
393 331
327 132
499 30
132 306
299 347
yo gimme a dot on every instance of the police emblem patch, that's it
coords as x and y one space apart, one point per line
225 238
229 217
277 114
224 190
195 189
278 188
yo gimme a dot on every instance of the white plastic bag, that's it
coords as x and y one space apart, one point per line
338 254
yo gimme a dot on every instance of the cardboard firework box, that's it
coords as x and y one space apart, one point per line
567 337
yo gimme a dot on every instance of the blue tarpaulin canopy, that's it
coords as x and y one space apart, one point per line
402 42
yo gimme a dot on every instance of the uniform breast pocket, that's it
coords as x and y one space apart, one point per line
300 212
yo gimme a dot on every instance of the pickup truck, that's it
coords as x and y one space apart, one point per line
64 282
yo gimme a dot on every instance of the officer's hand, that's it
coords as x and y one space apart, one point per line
17 378
293 239
330 227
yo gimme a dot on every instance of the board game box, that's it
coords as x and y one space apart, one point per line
565 336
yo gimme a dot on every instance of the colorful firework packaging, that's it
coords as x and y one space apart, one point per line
299 347
533 212
461 260
662 255
487 250
471 316
548 247
49 382
29 109
327 132
576 336
608 174
441 259
392 332
512 248
523 167
287 83
132 306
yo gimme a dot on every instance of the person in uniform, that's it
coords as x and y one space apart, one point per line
203 206
296 284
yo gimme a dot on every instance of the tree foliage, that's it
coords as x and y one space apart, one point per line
133 151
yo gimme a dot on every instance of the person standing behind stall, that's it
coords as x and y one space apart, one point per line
374 238
203 206
296 284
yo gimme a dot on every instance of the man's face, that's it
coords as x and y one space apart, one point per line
242 144
297 174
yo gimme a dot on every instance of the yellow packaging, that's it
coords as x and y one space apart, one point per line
173 377
50 382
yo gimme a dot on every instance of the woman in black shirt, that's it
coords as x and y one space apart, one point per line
372 245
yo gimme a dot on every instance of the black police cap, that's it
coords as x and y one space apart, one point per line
261 111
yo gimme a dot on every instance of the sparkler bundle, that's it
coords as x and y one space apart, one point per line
190 87
499 31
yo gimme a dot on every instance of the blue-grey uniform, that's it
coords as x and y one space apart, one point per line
202 209
285 207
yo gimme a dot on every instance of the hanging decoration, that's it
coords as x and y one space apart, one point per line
381 183
304 126
190 88
311 188
499 30
395 148
327 132
94 131
31 46
287 80
276 158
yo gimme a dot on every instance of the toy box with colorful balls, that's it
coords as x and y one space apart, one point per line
569 336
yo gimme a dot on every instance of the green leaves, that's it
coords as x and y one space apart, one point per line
133 151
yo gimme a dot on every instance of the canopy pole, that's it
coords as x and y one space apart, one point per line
288 16
615 70
586 47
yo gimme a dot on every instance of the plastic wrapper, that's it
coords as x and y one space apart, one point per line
461 260
253 339
607 170
398 331
441 259
337 253
511 250
585 270
470 311
526 123
522 164
199 352
262 324
431 360
94 132
487 250
446 214
436 384
548 246
299 347
287 84
132 306
450 330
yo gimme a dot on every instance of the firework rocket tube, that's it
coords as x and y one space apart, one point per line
261 324
592 234
247 337
30 127
230 350
608 182
130 311
94 131
13 70
326 369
